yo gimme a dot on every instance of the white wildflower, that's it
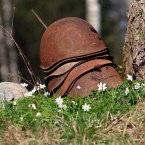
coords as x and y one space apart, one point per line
42 86
126 91
78 87
86 107
46 94
102 86
129 77
137 86
38 114
24 85
15 102
74 102
21 118
33 90
59 100
33 106
28 94
62 106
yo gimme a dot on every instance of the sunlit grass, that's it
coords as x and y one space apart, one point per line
115 116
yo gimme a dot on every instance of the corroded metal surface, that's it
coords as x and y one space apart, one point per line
74 73
87 83
73 54
67 38
81 70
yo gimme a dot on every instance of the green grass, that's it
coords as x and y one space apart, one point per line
114 118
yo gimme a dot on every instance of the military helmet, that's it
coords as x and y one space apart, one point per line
73 54
68 38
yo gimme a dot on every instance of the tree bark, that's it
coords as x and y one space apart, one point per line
8 55
93 14
134 47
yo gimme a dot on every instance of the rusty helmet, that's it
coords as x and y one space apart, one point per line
72 53
68 38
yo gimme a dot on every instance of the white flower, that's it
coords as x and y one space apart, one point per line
38 114
46 94
62 106
86 107
129 77
28 94
59 100
137 86
126 91
74 102
78 87
33 90
24 85
42 86
102 86
33 106
15 103
21 118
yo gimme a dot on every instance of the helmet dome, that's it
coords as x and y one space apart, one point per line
68 38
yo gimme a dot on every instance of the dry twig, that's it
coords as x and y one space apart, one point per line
30 70
39 19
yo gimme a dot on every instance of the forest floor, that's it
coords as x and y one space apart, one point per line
112 117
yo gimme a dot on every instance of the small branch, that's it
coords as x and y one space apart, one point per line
39 19
30 70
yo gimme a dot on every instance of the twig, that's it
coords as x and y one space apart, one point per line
30 70
39 19
114 123
22 78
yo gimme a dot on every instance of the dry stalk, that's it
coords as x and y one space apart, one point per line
128 120
114 123
39 19
30 70
19 77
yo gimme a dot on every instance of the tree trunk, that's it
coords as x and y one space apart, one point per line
3 57
93 14
8 55
134 47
